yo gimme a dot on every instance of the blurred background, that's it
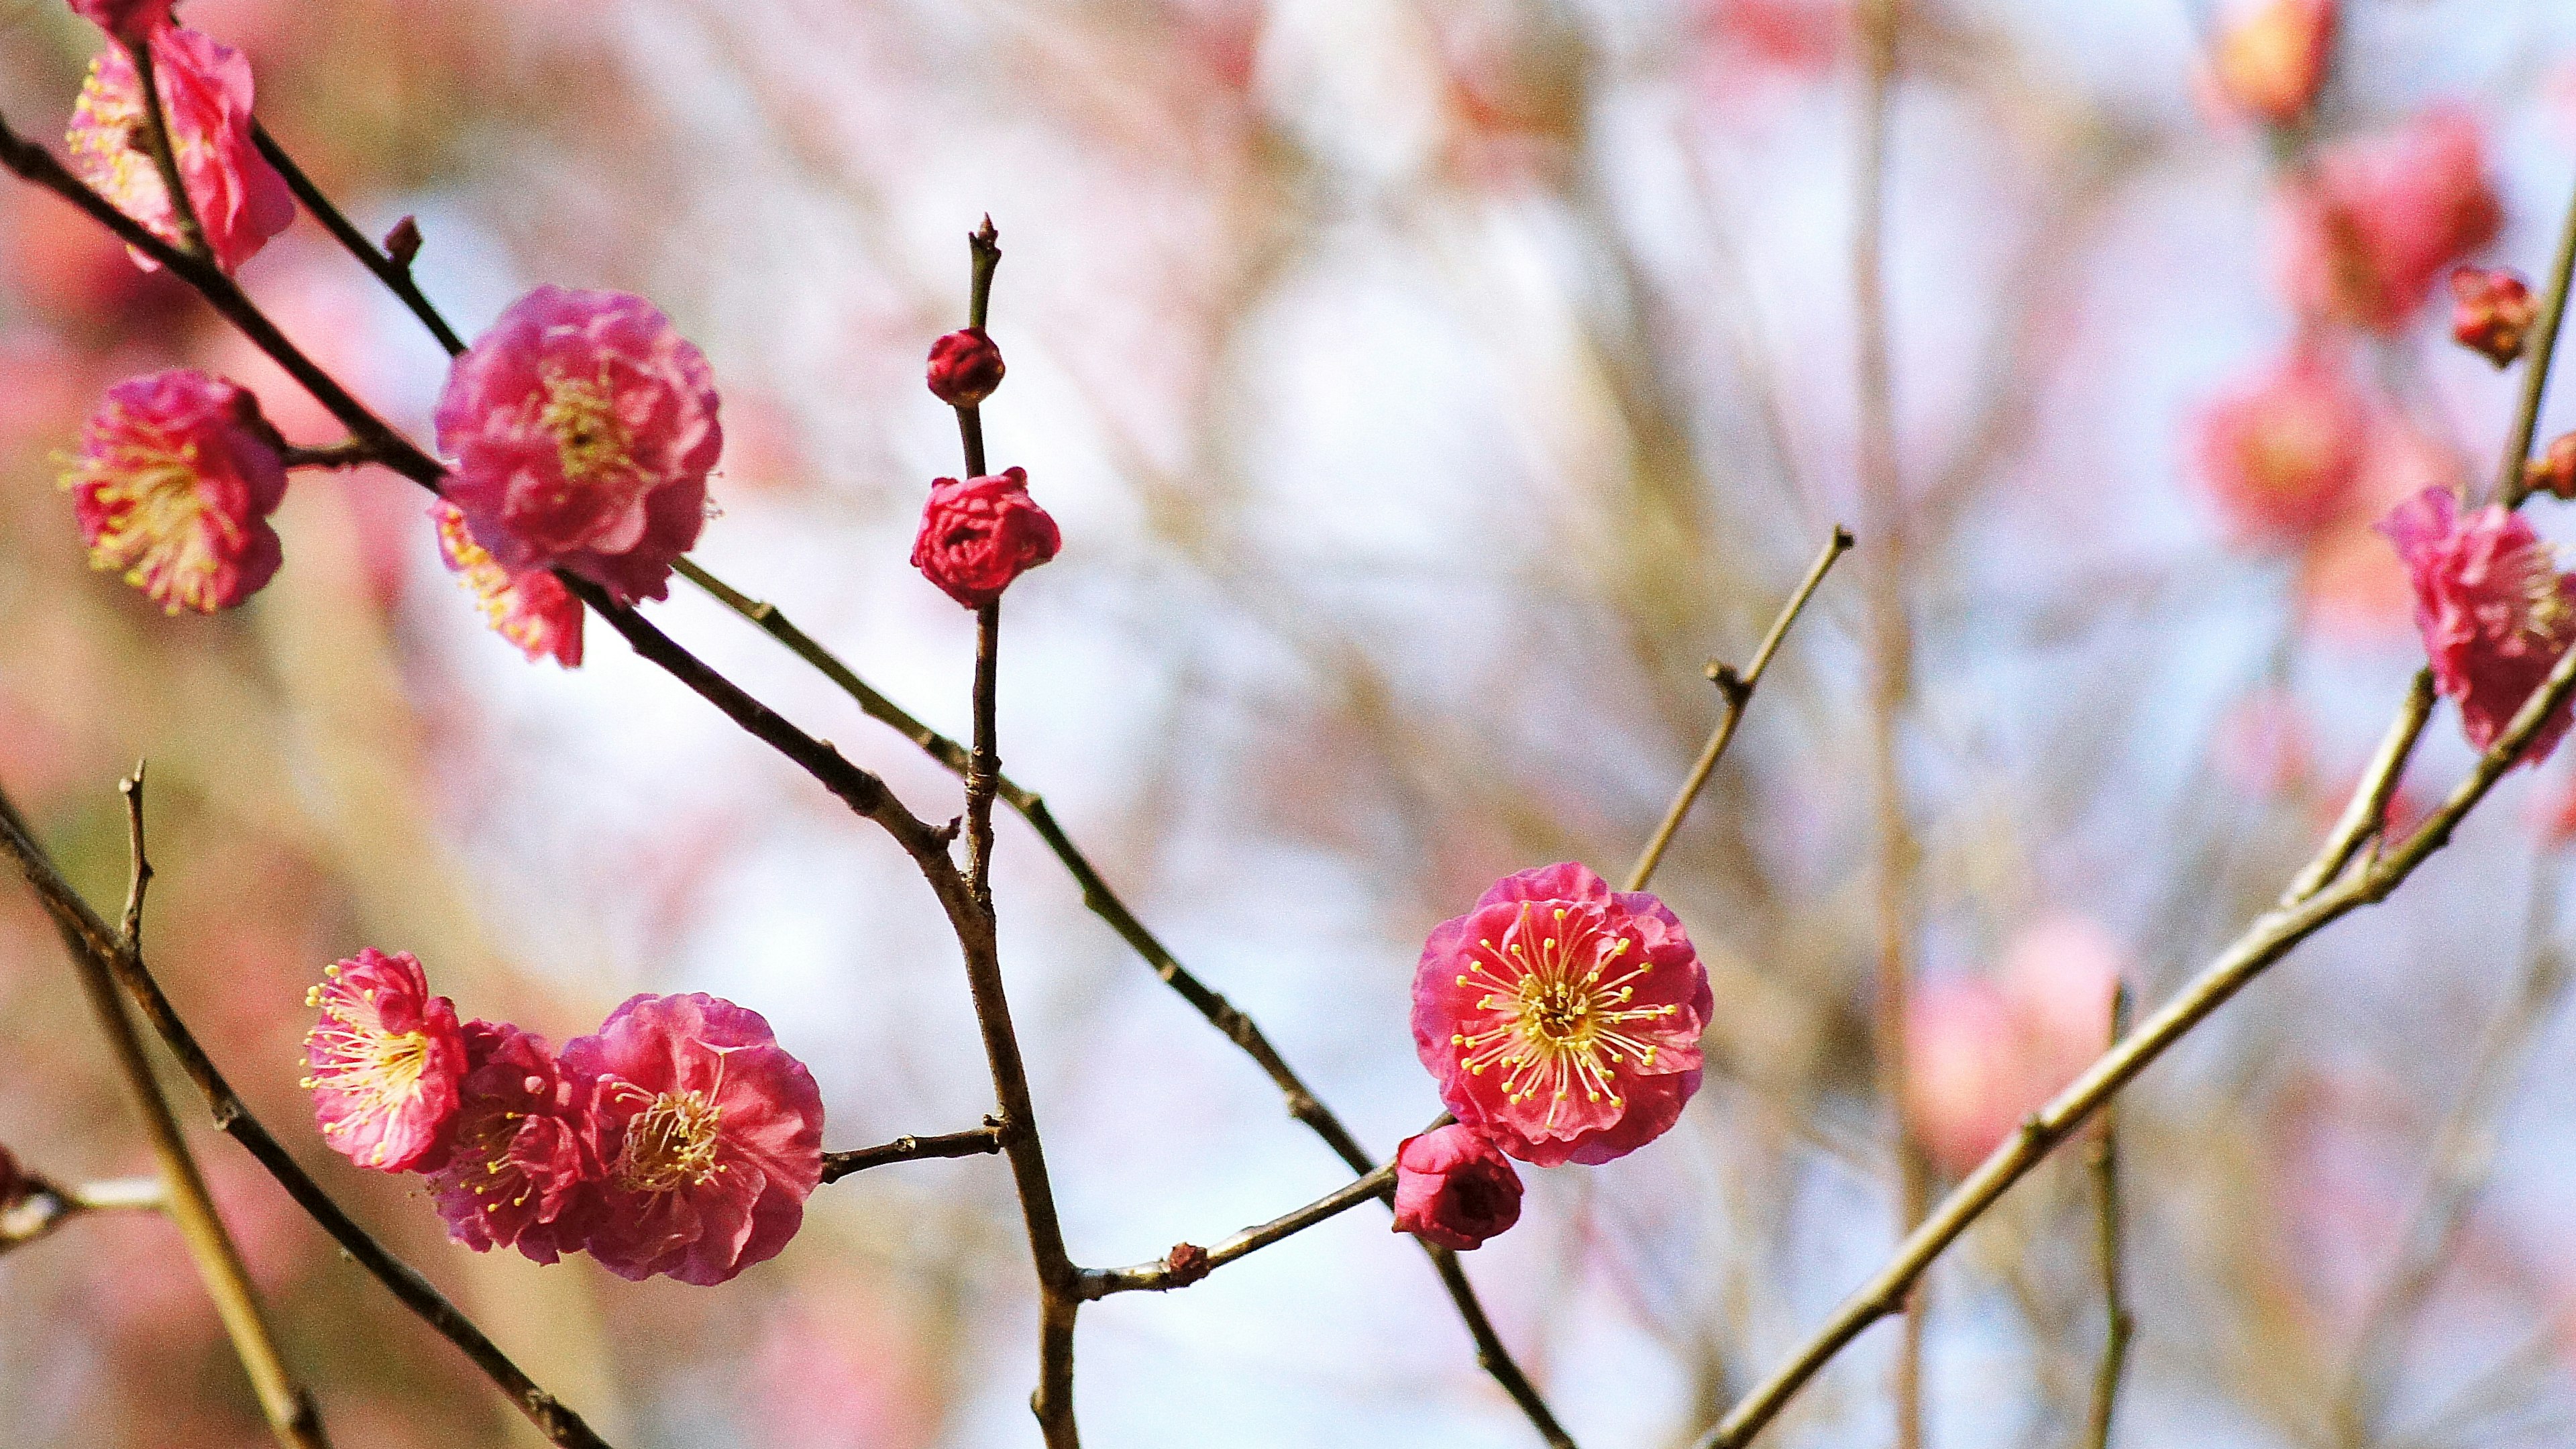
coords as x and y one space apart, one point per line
1426 388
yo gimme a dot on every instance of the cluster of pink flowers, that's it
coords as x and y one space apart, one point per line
1561 1021
2492 605
678 1139
978 534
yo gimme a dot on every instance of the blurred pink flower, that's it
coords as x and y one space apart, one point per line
131 21
2352 589
386 1060
833 1370
526 1155
979 535
174 482
531 608
582 426
1981 1054
2378 218
2280 450
2492 311
965 367
1794 35
206 90
2493 608
1453 1188
2264 746
1562 1018
715 1136
2271 56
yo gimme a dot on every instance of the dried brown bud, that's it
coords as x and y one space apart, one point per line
1187 1263
403 242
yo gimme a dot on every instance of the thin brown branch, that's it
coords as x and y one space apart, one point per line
2108 1233
974 1142
1736 692
43 1209
102 956
2512 476
2271 936
349 453
394 272
165 154
1187 1263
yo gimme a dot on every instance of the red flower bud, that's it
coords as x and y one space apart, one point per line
2554 471
1453 1187
965 367
1187 1263
978 535
2494 312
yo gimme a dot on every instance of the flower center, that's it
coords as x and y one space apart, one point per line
671 1144
1561 1019
352 1053
153 522
590 439
2545 612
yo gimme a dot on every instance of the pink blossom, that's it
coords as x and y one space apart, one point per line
582 426
2280 450
386 1059
2493 608
979 535
714 1138
2491 314
2271 57
1562 1018
205 88
530 608
173 485
1982 1054
965 367
131 21
526 1159
1453 1188
2379 218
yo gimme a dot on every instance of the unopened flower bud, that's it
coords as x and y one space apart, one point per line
403 242
2554 471
980 534
2493 313
1187 1263
1453 1188
965 367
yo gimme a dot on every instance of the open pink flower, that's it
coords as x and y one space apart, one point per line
131 21
1453 1188
205 88
174 482
714 1138
2493 608
386 1059
2380 218
2281 450
2271 56
1981 1054
978 535
526 1154
1562 1018
582 426
530 608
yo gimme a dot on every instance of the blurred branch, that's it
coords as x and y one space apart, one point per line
44 1209
974 1142
1187 1263
393 271
1737 691
2119 1323
2271 936
1891 657
2463 1160
104 957
2512 482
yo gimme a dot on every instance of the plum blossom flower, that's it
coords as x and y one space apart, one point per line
2379 217
530 608
965 367
386 1058
2271 57
1562 1018
173 485
2493 608
583 426
2554 471
1453 1188
526 1153
713 1133
979 535
1981 1054
2281 450
2492 313
206 91
131 21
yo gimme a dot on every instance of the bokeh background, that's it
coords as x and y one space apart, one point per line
1427 388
